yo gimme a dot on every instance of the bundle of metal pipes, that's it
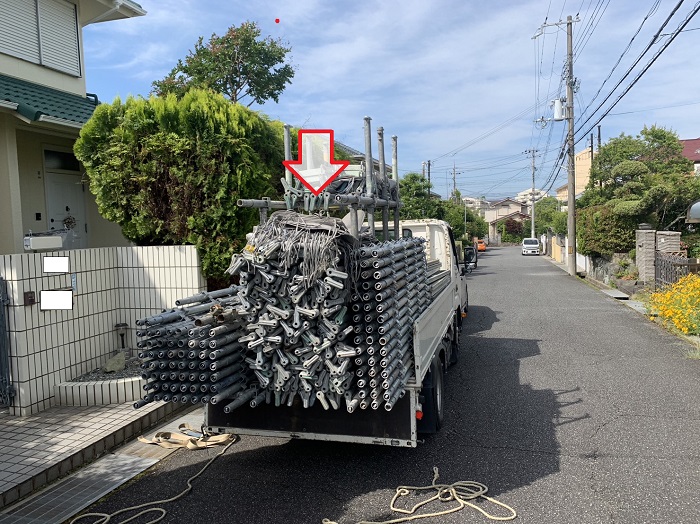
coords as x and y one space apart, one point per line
314 318
191 354
391 295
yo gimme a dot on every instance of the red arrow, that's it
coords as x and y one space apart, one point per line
318 172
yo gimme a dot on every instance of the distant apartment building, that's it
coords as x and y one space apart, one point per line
582 167
478 205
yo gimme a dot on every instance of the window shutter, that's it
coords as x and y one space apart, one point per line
59 36
19 32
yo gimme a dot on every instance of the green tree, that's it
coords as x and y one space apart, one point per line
416 202
602 231
238 64
453 212
634 180
169 170
655 147
512 230
548 216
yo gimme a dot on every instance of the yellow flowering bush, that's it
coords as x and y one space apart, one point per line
679 304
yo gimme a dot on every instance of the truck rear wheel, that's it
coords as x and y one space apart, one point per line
438 392
432 399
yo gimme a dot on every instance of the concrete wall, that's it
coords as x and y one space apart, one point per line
111 286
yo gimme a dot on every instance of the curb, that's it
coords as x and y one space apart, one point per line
82 456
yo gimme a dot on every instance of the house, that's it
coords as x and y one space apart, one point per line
501 211
43 105
582 167
691 151
106 284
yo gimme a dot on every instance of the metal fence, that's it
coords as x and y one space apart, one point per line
670 268
6 389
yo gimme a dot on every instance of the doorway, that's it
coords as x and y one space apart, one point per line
65 207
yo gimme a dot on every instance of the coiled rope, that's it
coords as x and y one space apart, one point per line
461 492
104 518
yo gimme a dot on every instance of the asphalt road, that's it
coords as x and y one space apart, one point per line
570 406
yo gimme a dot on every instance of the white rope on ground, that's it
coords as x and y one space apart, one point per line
461 492
191 435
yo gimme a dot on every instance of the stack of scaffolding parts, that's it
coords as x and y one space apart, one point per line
301 326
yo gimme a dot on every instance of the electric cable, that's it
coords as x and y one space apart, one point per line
639 58
651 12
685 22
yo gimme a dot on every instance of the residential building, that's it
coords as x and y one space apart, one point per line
43 105
582 168
525 197
105 283
691 151
478 205
501 211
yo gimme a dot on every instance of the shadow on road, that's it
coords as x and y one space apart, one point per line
497 431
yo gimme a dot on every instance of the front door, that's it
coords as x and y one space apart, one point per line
65 207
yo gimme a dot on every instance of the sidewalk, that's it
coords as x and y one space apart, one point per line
42 448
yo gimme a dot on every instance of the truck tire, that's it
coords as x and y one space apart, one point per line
438 392
431 397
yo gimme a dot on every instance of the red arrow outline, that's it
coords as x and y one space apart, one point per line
289 164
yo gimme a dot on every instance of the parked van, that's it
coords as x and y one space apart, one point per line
530 246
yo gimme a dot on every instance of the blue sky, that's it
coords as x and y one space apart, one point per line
460 83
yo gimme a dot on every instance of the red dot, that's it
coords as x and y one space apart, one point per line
277 20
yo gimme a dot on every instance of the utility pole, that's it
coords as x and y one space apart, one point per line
423 165
532 195
454 180
571 171
429 186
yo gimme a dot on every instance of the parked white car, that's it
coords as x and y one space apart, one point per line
530 246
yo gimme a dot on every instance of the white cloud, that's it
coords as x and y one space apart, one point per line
438 74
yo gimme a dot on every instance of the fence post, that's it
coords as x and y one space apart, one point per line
645 254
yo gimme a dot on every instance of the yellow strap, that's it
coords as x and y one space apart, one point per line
170 440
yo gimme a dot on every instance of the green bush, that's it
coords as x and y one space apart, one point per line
170 171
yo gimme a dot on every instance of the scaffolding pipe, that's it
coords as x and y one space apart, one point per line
395 176
369 173
384 181
287 153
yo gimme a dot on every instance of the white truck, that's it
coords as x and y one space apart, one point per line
337 329
435 346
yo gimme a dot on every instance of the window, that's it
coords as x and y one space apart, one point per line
60 160
44 32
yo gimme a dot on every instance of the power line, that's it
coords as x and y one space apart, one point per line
651 12
668 42
639 58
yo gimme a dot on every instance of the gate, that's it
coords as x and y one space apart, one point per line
7 391
670 268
